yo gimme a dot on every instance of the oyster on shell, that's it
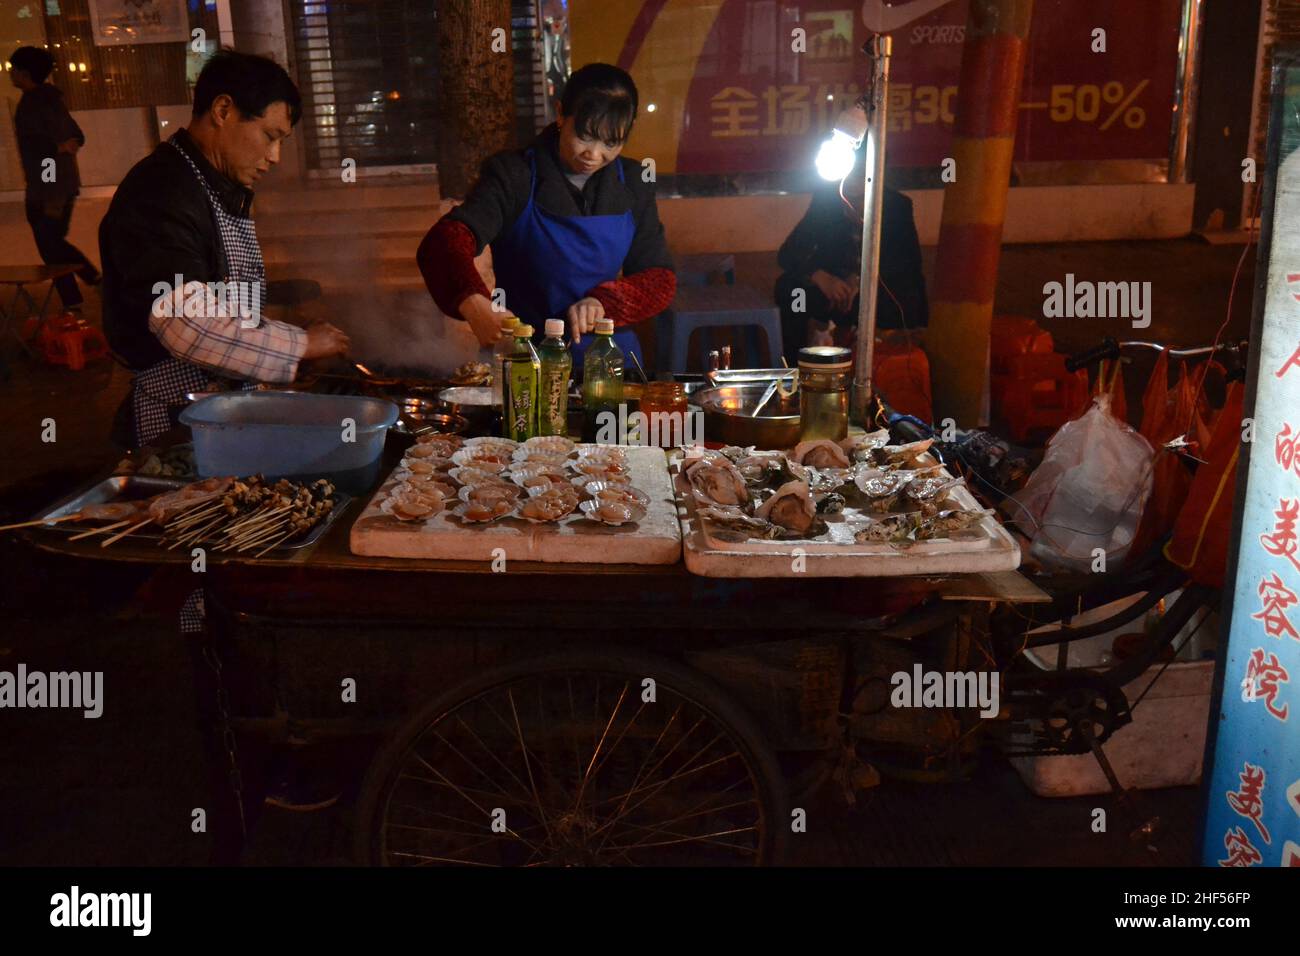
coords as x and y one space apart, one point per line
717 482
791 508
861 447
898 530
759 468
827 479
903 455
946 523
737 525
929 491
821 453
829 503
883 489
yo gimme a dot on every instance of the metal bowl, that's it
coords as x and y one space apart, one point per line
433 422
474 404
727 416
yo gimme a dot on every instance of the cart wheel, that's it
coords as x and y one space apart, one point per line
575 759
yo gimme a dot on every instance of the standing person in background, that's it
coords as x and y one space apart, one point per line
45 131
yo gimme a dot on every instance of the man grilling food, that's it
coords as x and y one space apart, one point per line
183 271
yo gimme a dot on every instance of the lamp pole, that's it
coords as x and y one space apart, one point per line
875 101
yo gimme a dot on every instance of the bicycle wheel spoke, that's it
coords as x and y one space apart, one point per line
437 859
698 810
537 797
503 792
701 838
559 784
582 787
588 774
462 848
470 800
488 750
658 787
493 794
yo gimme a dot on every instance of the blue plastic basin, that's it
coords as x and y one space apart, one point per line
291 435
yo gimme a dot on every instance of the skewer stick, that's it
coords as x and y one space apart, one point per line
250 534
39 521
122 534
191 535
196 530
252 541
100 530
276 543
259 516
194 514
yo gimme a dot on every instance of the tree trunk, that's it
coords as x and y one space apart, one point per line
477 89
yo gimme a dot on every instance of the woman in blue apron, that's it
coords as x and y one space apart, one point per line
573 226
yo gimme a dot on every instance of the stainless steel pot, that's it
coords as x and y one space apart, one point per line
727 416
474 404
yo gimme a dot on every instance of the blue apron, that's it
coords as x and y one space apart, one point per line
546 263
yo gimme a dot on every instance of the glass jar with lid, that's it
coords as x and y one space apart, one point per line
664 406
825 376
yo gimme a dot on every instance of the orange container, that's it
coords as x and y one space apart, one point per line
68 340
1013 335
901 374
1035 395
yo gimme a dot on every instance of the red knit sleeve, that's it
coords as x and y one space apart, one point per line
637 297
446 260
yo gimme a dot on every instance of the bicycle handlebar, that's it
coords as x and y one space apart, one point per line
1111 349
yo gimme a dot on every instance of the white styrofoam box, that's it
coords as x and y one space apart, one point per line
1165 743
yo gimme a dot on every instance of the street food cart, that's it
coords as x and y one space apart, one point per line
570 691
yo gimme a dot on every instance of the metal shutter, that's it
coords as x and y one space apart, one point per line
368 72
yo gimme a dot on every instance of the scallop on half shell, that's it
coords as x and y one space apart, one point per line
613 512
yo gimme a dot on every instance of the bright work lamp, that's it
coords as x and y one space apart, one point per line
836 156
864 123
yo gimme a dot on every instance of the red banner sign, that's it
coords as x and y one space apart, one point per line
1099 81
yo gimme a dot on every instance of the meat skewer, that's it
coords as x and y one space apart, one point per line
122 534
74 516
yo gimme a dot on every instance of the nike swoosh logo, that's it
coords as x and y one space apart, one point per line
880 17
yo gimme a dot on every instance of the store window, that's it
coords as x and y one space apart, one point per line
94 77
368 74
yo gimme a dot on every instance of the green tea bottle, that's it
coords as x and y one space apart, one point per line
499 352
602 382
557 365
523 373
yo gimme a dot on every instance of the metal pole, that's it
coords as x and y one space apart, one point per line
1186 91
876 101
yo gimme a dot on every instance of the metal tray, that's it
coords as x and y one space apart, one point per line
135 487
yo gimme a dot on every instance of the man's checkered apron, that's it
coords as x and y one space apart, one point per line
163 386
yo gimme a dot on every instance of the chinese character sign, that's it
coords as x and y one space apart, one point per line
1253 816
116 22
753 86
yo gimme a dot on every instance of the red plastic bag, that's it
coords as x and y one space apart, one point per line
1204 526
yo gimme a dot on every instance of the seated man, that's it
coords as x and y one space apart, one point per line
822 256
183 272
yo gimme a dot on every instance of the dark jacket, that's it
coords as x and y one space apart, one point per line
41 123
501 194
158 226
829 237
